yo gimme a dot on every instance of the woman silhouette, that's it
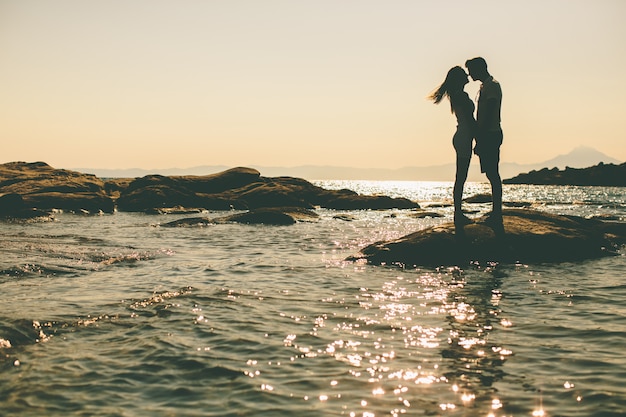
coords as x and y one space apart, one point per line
463 108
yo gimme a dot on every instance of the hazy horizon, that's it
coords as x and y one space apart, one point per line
608 159
581 157
153 84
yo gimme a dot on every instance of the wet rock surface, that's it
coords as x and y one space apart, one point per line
529 236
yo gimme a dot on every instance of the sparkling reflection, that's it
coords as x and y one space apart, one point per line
417 337
416 334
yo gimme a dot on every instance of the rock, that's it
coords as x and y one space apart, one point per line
422 214
115 186
272 193
222 181
11 203
517 204
530 236
606 217
440 205
278 216
189 222
250 191
616 231
478 199
76 202
486 198
157 191
44 187
366 202
344 217
609 175
38 177
175 210
155 196
12 206
297 192
275 218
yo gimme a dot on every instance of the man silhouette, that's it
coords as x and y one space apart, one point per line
488 130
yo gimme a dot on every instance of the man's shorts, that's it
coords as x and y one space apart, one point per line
488 150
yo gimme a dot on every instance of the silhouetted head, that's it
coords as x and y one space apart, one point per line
456 78
454 83
477 68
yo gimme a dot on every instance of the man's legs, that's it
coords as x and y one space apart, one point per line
489 161
489 164
493 176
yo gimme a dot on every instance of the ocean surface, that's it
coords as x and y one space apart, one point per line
113 315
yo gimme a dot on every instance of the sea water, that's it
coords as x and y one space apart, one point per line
113 315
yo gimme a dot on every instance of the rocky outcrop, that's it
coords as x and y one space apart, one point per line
609 175
158 191
45 188
529 236
243 189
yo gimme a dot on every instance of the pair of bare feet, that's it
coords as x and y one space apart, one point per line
493 220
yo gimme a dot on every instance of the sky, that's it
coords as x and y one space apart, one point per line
161 84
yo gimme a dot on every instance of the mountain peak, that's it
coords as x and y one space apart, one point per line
580 157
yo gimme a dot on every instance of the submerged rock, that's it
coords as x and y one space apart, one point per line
422 214
344 217
529 236
189 222
175 210
278 216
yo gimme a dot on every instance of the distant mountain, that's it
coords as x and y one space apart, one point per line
580 157
140 172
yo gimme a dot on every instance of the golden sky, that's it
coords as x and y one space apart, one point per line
162 84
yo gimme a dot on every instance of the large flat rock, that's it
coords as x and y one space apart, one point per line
529 236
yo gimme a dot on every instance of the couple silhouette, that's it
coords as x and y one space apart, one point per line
484 130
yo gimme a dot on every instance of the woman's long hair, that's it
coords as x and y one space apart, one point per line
452 84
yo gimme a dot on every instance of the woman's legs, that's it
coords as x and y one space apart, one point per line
462 167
